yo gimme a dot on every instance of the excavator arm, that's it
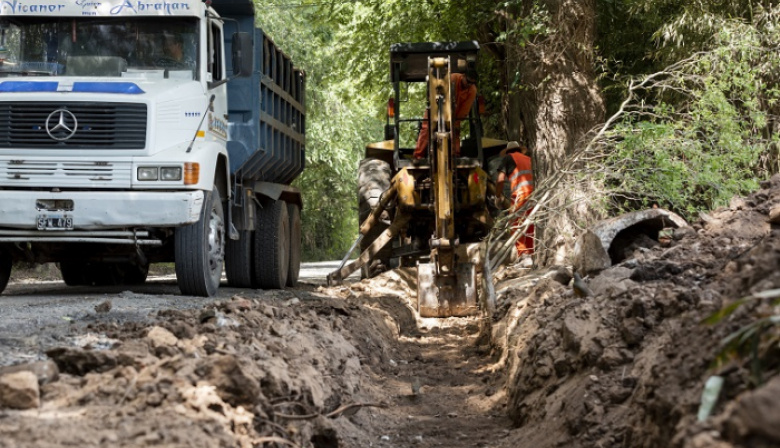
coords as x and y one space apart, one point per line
436 202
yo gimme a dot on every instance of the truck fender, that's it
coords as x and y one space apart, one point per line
275 192
214 168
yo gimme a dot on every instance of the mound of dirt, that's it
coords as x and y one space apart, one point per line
236 373
627 366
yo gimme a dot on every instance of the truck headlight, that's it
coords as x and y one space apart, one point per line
170 173
147 173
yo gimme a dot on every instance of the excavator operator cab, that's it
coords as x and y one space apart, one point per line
409 65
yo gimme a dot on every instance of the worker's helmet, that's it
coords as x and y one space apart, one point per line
514 147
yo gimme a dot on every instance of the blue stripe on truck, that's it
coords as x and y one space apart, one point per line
127 88
28 86
107 87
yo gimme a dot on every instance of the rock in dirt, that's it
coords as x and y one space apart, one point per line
757 413
45 371
159 336
80 362
103 307
19 390
235 381
774 215
613 282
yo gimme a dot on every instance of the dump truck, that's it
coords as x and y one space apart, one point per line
432 212
138 132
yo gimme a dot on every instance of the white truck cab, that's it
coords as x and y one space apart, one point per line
114 130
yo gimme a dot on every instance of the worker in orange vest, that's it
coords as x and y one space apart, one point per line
517 166
465 93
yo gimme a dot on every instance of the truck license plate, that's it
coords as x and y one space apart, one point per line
55 222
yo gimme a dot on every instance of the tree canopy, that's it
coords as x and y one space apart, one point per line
691 86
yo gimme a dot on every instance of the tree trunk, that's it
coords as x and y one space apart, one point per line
559 103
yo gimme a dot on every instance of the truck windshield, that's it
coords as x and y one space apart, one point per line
116 47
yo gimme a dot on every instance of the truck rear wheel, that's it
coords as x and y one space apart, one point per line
272 245
239 264
374 177
295 244
200 250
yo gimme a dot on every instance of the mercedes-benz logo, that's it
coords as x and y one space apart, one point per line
61 124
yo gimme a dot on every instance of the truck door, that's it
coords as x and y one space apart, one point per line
218 118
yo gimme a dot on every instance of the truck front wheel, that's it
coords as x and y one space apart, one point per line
200 250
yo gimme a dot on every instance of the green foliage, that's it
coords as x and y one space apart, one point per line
338 127
696 135
343 46
646 35
753 340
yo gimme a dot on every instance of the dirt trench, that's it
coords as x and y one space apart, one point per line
310 367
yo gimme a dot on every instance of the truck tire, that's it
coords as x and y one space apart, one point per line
294 214
239 257
239 264
200 249
6 264
272 245
374 177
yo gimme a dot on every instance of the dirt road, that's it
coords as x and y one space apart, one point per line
144 366
38 310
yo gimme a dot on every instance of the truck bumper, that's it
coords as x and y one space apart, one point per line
94 210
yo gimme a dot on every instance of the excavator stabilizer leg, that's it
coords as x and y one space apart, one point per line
447 296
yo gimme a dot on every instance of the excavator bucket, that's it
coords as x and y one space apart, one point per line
447 296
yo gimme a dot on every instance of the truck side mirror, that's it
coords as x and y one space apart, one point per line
243 55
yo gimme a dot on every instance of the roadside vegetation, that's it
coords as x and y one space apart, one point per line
691 89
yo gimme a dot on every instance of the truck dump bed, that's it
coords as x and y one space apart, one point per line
267 119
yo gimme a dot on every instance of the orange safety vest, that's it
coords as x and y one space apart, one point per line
522 179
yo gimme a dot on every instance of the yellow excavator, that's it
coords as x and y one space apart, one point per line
433 212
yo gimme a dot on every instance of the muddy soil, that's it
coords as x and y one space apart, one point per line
626 367
355 367
308 367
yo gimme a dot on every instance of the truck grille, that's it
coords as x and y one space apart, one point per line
96 125
64 174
